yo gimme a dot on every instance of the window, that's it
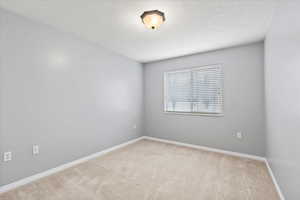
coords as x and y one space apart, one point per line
196 90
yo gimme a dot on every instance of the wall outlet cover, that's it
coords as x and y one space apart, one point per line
239 135
35 149
7 156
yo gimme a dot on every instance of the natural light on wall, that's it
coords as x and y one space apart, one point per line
196 90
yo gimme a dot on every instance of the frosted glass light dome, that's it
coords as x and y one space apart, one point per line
153 18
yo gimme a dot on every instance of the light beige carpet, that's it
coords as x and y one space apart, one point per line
149 170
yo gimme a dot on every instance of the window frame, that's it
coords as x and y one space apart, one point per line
165 92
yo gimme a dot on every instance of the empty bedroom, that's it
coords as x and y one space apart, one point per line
149 100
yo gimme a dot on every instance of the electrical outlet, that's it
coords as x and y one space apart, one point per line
7 156
239 135
35 149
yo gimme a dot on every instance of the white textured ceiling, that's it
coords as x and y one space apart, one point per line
191 25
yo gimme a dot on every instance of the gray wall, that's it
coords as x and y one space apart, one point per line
71 97
243 96
282 81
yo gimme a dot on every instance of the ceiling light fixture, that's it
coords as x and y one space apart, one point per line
153 18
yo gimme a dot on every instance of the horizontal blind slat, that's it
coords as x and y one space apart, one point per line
195 90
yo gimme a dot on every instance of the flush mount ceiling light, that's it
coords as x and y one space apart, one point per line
153 18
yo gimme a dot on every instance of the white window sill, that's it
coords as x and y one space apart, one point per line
195 114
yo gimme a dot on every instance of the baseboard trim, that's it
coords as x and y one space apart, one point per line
35 177
243 155
274 180
46 173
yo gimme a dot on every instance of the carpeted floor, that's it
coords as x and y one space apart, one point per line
149 170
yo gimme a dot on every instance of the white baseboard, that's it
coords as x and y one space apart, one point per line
35 177
274 180
243 155
224 152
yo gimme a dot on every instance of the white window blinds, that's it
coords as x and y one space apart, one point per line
196 90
